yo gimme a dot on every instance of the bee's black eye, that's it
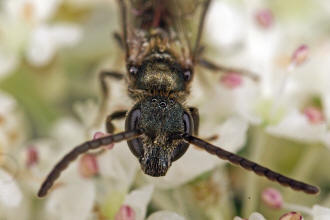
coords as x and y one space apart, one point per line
187 75
188 123
133 71
135 145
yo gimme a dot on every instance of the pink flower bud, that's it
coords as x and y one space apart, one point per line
231 80
314 114
100 134
88 165
272 198
125 213
264 18
292 216
32 156
300 55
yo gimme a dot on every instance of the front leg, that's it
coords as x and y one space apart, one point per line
105 92
195 116
116 115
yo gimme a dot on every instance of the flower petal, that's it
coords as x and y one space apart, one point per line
165 215
296 126
10 194
45 40
72 201
256 216
321 213
138 200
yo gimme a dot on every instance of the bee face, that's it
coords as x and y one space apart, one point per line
162 120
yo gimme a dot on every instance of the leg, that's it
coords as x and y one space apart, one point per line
195 115
119 40
105 92
215 67
116 115
200 30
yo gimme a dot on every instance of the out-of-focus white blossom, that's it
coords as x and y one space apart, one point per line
320 213
10 122
10 194
73 200
253 216
26 29
165 215
138 200
46 40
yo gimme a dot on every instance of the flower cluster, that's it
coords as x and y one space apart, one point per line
272 106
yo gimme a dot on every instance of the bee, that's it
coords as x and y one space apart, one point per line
161 39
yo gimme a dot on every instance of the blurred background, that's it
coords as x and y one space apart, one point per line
51 53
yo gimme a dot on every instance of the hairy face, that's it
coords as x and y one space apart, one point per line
162 120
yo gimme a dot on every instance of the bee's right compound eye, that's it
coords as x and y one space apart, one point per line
135 145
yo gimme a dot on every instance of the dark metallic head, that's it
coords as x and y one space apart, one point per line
162 120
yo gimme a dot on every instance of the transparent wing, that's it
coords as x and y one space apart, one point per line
179 23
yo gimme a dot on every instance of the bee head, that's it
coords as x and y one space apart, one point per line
162 121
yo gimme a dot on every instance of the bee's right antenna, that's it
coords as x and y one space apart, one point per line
249 165
83 148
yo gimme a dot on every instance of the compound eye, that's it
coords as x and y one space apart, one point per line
187 75
132 119
188 124
135 145
133 71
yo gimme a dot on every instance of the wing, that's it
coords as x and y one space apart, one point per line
170 25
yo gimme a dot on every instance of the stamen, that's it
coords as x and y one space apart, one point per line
88 166
264 18
231 80
100 134
292 216
272 198
314 114
300 55
125 213
32 156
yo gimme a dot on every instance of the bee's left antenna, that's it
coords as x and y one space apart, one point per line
83 148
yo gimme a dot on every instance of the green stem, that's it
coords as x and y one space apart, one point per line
251 192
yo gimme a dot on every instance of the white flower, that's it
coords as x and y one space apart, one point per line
10 194
253 216
138 200
11 125
165 215
46 40
74 200
224 25
320 213
24 27
295 125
